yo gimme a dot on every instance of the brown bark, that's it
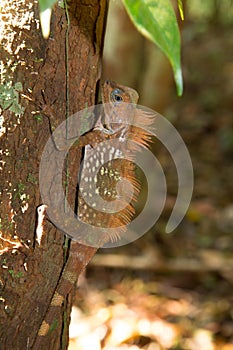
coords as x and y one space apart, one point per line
30 273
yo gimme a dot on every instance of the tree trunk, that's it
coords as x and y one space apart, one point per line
63 70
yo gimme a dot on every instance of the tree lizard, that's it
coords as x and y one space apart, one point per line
113 124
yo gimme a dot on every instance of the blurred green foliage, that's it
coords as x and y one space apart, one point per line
156 20
211 10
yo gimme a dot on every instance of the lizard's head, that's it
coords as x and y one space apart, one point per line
115 94
119 103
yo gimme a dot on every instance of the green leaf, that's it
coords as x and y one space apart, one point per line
46 4
45 16
9 97
156 20
18 86
15 108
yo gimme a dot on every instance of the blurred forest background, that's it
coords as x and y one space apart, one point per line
172 291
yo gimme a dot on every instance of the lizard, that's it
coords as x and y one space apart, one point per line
111 125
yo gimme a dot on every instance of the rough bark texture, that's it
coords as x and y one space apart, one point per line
30 273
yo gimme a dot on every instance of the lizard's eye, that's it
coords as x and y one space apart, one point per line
116 95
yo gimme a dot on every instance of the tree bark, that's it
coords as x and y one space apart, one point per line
41 69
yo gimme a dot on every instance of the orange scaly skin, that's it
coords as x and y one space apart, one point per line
106 180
